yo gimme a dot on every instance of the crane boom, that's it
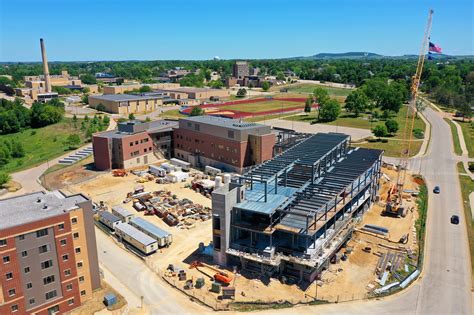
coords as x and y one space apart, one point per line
408 128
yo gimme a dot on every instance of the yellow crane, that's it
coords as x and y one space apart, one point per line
410 115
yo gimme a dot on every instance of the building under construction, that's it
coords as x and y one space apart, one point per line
290 215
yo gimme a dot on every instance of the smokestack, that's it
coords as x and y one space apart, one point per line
45 68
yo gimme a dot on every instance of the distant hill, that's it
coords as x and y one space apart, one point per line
347 55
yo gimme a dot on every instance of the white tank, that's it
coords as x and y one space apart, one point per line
218 182
226 179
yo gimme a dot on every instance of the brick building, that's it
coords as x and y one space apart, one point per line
127 103
48 254
240 69
133 144
228 144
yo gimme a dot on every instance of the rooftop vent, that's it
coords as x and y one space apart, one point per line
38 200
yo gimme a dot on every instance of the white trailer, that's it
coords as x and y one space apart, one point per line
213 171
157 171
162 237
177 177
136 238
109 220
185 166
122 213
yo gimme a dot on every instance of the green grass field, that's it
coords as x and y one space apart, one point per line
309 88
468 132
41 144
467 186
392 147
454 132
262 106
172 114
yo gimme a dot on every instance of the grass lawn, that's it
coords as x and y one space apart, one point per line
262 106
467 186
468 132
309 88
172 114
392 147
454 132
41 144
265 117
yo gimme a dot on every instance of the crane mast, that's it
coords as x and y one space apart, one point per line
409 122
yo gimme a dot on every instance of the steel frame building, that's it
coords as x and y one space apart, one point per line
290 215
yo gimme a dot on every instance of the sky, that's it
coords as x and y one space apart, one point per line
90 30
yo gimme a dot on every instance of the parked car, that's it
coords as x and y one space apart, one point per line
454 219
436 190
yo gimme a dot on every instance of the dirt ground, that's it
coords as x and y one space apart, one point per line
96 303
345 280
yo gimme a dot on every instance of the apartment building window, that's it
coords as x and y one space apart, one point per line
74 220
81 279
70 302
150 149
46 264
32 301
79 264
3 243
14 308
11 292
43 249
51 294
29 285
136 142
145 150
83 292
9 276
61 226
78 250
76 235
69 287
134 153
48 279
42 233
21 237
67 272
53 310
131 144
63 242
24 253
26 269
6 259
145 140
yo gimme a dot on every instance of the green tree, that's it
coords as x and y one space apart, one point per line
420 106
197 111
308 104
216 84
85 99
4 178
356 102
145 89
379 131
241 92
73 141
61 90
106 121
330 111
17 150
86 90
265 86
322 97
131 116
88 79
392 126
101 107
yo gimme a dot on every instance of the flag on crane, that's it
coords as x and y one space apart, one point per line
434 48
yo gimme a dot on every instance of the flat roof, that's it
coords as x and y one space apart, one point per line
153 127
136 234
108 216
36 206
122 211
188 89
149 227
224 122
123 97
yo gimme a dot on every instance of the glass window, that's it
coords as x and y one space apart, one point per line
43 249
74 220
24 253
46 264
9 276
67 272
32 301
26 269
21 237
51 294
65 257
76 235
78 250
29 285
61 226
48 279
69 287
63 242
14 308
42 233
83 292
3 243
11 292
6 259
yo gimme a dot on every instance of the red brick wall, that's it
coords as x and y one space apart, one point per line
14 267
127 150
102 158
237 150
266 149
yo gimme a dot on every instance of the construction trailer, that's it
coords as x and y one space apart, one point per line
290 215
185 166
162 237
144 243
108 219
122 213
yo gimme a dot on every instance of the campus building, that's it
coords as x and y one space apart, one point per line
290 215
196 93
228 144
48 254
127 103
133 144
124 88
240 69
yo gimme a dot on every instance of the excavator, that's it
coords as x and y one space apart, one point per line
219 276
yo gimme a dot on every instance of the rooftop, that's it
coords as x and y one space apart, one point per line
224 122
149 227
122 211
135 234
151 127
36 206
